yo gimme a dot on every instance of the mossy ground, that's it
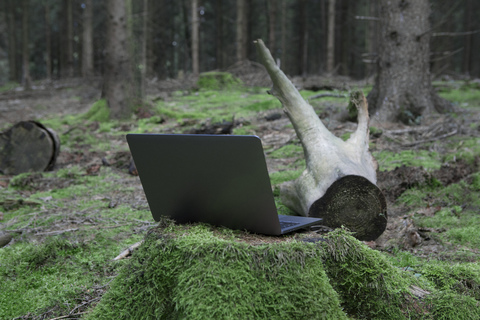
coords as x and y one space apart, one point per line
69 224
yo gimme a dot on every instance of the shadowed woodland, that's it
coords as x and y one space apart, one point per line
86 73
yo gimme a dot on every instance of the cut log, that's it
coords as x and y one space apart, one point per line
28 147
339 183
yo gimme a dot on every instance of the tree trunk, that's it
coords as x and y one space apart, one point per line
87 40
467 26
195 39
219 46
118 88
28 146
303 34
242 24
338 184
272 22
283 38
48 42
69 38
12 43
403 89
27 81
331 37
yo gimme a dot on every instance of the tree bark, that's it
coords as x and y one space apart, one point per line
87 40
28 147
331 37
12 43
48 42
272 22
403 89
195 39
27 81
242 24
118 88
338 184
69 38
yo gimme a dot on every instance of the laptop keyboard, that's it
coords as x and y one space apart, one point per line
286 224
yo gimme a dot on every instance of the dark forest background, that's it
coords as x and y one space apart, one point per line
64 39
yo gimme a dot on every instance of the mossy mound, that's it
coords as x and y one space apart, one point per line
197 275
216 80
99 111
197 272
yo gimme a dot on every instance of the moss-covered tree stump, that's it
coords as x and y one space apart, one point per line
28 146
198 272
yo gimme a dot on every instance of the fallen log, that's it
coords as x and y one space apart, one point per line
339 182
28 146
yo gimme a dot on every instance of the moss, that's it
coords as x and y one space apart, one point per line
369 286
389 160
216 80
461 278
99 111
447 305
196 275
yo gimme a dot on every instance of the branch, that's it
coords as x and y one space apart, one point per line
125 253
454 34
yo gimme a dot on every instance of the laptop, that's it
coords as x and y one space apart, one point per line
217 179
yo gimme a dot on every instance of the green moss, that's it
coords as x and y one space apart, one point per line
369 286
99 111
448 305
9 86
196 275
37 277
463 148
287 151
285 175
389 160
462 278
216 80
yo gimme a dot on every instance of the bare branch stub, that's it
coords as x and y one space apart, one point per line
339 182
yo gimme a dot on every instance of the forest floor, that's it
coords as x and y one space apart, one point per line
92 207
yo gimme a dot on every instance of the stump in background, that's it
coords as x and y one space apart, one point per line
28 146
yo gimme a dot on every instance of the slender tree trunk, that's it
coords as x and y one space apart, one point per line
195 39
242 28
143 65
468 38
219 52
12 43
371 39
284 35
303 34
403 89
272 22
87 40
48 42
69 38
118 88
331 37
27 81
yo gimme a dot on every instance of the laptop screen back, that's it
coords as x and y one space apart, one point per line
217 179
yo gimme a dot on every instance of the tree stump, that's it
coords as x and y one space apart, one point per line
28 146
339 183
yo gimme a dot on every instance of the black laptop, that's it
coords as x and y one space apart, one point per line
218 179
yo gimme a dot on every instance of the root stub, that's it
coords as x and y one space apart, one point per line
355 203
